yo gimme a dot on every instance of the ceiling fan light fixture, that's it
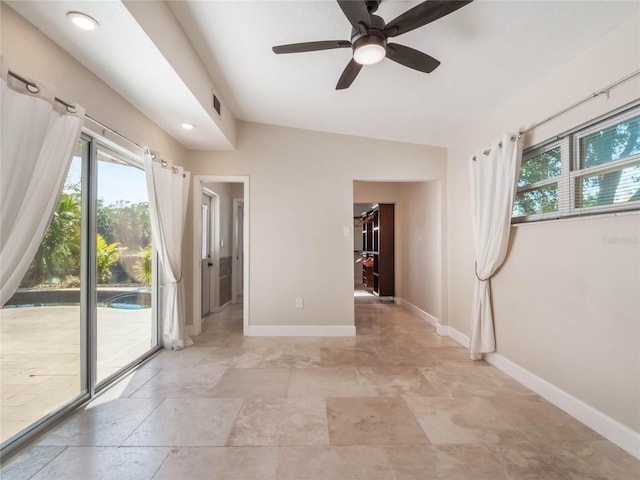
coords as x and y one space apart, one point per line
369 50
83 21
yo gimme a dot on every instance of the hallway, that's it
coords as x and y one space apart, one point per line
396 402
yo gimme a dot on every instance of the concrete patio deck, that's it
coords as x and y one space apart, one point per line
40 367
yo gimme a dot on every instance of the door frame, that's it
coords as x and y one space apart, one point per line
198 185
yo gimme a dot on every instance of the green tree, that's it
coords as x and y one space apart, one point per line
606 145
107 256
143 265
540 167
127 223
59 251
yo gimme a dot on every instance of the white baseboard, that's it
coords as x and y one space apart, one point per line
427 317
458 336
301 330
614 431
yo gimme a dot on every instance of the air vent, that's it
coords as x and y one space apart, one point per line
216 105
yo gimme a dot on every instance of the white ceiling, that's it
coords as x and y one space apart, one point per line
490 51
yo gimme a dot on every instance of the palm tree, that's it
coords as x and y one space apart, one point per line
59 251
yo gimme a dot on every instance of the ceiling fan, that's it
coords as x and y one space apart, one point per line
369 36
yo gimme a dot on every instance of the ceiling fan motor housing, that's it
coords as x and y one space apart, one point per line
372 35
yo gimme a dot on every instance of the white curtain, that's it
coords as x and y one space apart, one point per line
39 137
494 174
168 188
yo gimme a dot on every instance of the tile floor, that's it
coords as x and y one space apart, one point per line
395 402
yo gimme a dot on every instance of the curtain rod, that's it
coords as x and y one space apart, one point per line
105 127
604 90
580 102
33 87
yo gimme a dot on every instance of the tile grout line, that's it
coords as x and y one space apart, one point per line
46 464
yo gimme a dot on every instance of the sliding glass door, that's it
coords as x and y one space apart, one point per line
43 362
125 327
85 310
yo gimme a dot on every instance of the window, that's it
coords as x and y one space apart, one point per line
593 169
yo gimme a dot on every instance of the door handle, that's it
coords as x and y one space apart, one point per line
210 264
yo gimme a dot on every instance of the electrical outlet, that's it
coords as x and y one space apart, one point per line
299 302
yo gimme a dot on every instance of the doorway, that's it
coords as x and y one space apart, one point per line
360 267
419 240
226 227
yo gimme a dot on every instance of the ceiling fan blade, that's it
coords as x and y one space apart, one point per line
426 12
411 58
348 75
311 46
356 12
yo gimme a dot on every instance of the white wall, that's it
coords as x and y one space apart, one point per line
566 301
32 54
301 199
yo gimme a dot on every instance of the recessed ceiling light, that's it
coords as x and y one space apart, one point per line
188 126
83 21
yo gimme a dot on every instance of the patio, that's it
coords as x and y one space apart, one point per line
40 365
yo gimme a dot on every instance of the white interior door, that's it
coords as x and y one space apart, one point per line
206 263
238 251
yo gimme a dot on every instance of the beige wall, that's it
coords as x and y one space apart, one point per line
566 301
32 54
301 199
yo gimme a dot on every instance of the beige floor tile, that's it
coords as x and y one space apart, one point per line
407 356
550 461
539 420
461 420
333 463
25 464
235 356
444 462
452 355
280 422
395 402
185 358
181 383
129 384
372 421
395 381
324 382
219 463
104 463
253 382
188 422
473 379
101 424
291 356
605 459
360 356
